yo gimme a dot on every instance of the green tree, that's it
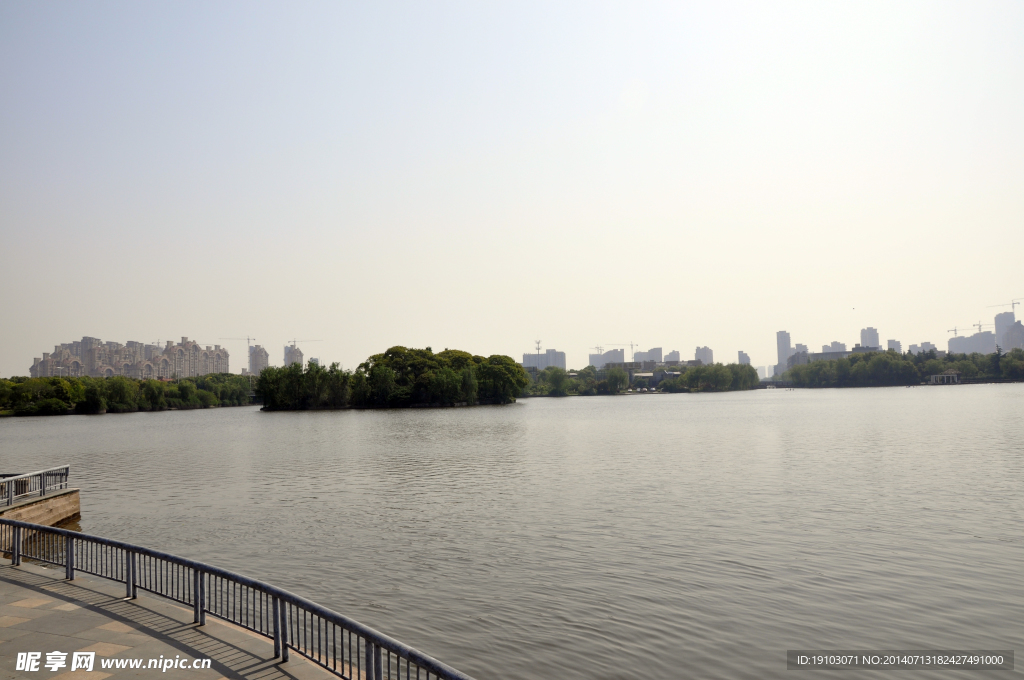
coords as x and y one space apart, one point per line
121 394
558 379
445 386
94 401
382 384
744 377
616 380
152 394
501 379
470 386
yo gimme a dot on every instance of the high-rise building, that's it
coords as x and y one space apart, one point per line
923 347
259 359
744 358
869 338
896 345
93 357
1003 323
704 355
835 346
612 356
762 372
782 341
982 343
1013 337
653 354
798 348
314 360
672 356
550 357
292 355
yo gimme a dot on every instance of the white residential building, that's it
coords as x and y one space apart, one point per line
612 356
869 338
550 357
653 354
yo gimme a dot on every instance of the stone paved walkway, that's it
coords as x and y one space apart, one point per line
41 612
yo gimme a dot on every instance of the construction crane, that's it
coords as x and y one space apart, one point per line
1012 304
629 344
980 325
295 341
954 330
248 344
248 340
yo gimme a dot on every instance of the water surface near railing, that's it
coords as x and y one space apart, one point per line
643 536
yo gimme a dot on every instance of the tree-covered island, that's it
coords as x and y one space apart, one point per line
400 377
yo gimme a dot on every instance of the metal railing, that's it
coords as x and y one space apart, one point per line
15 487
334 642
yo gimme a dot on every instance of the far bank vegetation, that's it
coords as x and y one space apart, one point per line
556 382
890 368
58 396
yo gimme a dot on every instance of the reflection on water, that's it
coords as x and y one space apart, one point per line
604 537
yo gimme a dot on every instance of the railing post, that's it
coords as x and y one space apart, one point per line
277 629
368 654
284 631
378 667
135 575
69 558
127 573
202 599
195 595
42 483
10 491
16 548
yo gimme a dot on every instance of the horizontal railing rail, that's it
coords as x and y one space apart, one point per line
331 640
15 487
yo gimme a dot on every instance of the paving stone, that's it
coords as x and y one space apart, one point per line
11 620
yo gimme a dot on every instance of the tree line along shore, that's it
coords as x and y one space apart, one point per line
890 368
402 377
58 396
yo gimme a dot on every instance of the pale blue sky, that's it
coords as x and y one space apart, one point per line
481 175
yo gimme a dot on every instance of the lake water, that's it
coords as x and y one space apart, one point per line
646 536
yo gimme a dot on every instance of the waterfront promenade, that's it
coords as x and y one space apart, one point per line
42 612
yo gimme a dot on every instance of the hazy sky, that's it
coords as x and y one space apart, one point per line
479 175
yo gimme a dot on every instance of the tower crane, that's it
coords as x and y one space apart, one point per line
248 345
295 341
954 330
248 340
1012 304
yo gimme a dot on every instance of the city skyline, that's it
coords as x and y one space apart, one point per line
961 342
377 178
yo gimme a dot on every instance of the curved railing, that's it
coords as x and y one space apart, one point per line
333 641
